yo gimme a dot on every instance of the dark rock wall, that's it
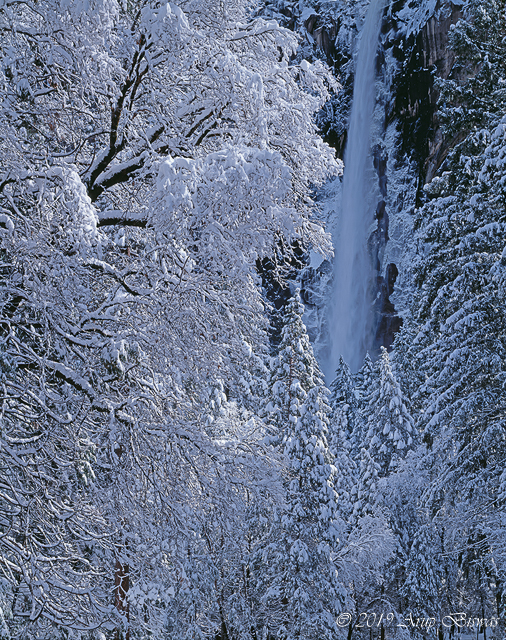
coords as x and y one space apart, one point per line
421 58
385 321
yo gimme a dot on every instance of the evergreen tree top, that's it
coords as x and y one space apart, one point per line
342 387
296 362
390 426
363 379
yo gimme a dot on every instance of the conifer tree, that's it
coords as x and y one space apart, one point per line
363 380
390 427
366 494
303 586
342 443
294 371
343 399
424 574
342 387
404 362
461 342
346 470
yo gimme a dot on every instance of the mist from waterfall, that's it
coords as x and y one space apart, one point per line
349 318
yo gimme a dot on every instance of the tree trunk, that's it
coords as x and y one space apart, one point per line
121 587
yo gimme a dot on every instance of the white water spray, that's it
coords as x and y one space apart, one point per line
350 333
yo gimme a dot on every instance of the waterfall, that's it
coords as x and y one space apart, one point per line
350 330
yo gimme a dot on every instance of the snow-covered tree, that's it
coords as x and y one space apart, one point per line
342 392
369 544
300 579
367 487
424 576
391 431
294 371
345 469
389 437
342 387
460 345
342 432
364 380
152 153
405 367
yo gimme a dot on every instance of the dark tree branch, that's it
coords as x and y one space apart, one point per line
117 144
120 219
123 174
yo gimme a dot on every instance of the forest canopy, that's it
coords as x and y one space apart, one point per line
173 464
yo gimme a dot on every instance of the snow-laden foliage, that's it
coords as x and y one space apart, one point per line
344 404
366 494
151 154
345 474
300 578
390 431
459 348
363 385
424 575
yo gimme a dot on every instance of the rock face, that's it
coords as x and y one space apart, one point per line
323 36
385 321
412 106
422 57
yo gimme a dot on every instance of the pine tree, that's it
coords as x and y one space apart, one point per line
343 398
475 90
342 389
390 427
342 443
424 574
303 586
294 371
404 361
345 469
461 342
364 380
366 495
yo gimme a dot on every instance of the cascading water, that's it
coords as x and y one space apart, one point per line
350 330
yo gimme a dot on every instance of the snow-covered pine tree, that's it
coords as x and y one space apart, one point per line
474 93
391 432
366 494
363 380
345 469
400 497
404 362
312 526
343 397
294 371
370 544
363 384
342 437
389 436
424 573
300 577
462 337
342 388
